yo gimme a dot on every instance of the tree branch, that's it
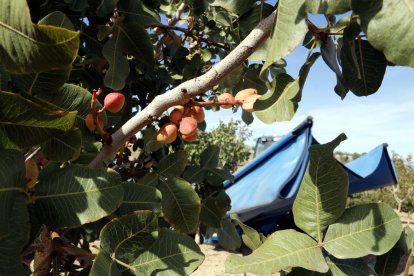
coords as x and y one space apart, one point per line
186 91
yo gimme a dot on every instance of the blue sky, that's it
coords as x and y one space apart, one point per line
384 117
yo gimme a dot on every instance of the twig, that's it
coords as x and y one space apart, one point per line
191 87
189 33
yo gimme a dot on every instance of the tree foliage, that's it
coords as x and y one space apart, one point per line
74 171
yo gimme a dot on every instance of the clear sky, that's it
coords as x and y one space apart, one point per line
384 117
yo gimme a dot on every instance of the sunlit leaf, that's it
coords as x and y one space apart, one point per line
180 204
140 197
171 254
288 32
328 6
388 25
322 195
22 117
283 249
362 230
76 195
29 48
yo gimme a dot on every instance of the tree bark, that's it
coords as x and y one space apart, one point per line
185 91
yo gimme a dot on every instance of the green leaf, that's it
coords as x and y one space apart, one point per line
362 230
283 100
249 20
173 164
14 229
171 254
118 64
233 6
322 195
140 197
57 19
213 209
130 38
106 7
76 195
407 239
13 242
49 81
126 237
136 11
387 263
72 97
28 48
228 236
22 117
283 249
210 156
288 32
64 147
104 265
137 43
329 54
363 67
150 179
328 6
209 159
180 204
354 267
250 237
388 25
278 105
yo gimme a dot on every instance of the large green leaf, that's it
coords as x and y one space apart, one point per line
29 48
283 249
354 267
288 32
362 230
249 20
118 64
213 209
13 242
76 195
388 25
126 237
106 7
173 164
171 254
363 67
250 236
123 239
282 101
227 235
130 38
72 97
279 104
140 197
14 229
25 121
64 147
49 81
180 204
234 6
322 195
328 6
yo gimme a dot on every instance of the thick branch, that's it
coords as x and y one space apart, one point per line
186 91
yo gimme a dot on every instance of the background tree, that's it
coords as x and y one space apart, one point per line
230 137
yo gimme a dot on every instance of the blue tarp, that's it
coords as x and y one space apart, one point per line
266 187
